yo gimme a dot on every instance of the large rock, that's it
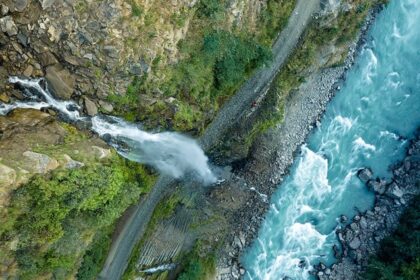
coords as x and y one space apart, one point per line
101 152
60 81
394 191
365 175
7 176
355 243
378 186
90 106
39 163
45 4
47 58
20 5
7 25
70 163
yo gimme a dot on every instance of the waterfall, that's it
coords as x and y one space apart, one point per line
170 153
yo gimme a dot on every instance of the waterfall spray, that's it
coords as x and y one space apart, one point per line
171 153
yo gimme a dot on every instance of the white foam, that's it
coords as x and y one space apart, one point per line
61 106
169 152
312 171
359 143
386 133
6 108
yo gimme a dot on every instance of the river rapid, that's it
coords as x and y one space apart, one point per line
367 124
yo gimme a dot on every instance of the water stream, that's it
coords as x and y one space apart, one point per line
366 125
170 153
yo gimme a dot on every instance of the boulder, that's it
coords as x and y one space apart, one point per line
45 4
4 98
90 107
20 5
355 243
101 152
365 175
60 81
378 186
40 163
394 191
47 59
70 163
7 25
106 107
7 176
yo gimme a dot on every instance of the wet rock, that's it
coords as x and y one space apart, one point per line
394 191
60 81
378 186
343 219
355 243
7 176
7 25
39 163
365 175
4 97
90 107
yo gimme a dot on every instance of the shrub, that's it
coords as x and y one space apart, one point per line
399 255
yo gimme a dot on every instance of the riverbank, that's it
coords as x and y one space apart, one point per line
360 239
275 151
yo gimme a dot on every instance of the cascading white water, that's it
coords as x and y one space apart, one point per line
171 153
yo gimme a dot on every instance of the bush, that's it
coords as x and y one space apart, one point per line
399 256
198 267
54 218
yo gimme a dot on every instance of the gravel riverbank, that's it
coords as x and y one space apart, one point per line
273 155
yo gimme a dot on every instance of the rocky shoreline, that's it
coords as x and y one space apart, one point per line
271 159
361 238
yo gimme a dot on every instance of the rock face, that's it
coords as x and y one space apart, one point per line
60 81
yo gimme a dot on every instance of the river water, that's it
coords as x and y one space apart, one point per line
367 124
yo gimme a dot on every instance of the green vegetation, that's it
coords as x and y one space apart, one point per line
95 256
165 208
198 266
399 256
338 31
215 58
53 220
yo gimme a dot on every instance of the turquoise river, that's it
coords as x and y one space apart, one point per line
367 124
